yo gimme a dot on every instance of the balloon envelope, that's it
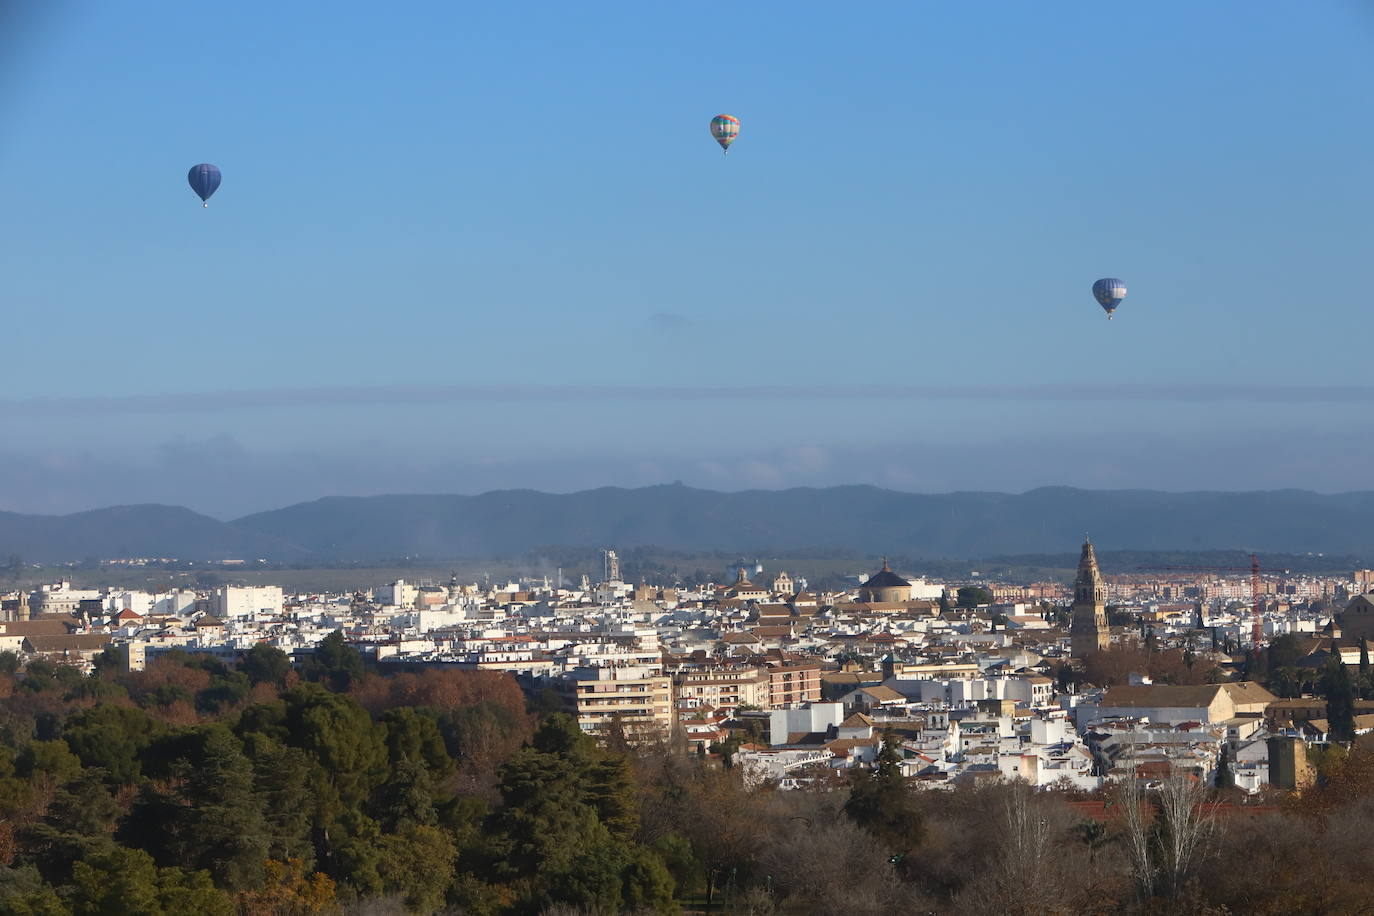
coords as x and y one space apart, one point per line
204 178
725 128
1109 292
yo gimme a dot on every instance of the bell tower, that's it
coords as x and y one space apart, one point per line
1088 631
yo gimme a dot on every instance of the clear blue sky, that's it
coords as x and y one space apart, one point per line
426 197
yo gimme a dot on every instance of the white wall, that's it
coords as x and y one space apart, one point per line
233 602
814 718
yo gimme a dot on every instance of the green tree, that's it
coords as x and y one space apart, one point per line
125 882
207 814
112 738
973 596
1366 680
1226 779
335 663
563 832
284 780
9 662
398 853
23 892
340 736
226 690
266 664
113 660
226 833
48 760
882 802
413 732
268 719
1339 691
610 790
1283 652
78 823
406 798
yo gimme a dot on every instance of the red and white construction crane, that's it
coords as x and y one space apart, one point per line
1257 622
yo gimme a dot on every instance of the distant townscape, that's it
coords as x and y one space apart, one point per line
977 679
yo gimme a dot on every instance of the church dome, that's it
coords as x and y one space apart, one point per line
886 578
885 586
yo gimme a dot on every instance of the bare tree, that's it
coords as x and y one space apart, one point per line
1165 833
1137 816
822 862
1030 871
1186 824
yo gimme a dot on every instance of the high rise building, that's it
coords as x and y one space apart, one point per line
1088 630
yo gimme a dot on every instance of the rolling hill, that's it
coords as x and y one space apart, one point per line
862 518
870 519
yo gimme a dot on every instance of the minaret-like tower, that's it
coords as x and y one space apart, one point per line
1089 628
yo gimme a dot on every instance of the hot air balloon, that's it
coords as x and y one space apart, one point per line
1109 292
204 178
725 128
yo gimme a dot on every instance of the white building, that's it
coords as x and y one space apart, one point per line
398 594
234 602
811 719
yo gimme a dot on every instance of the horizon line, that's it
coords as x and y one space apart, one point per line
397 395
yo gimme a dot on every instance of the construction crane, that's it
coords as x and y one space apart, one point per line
1257 625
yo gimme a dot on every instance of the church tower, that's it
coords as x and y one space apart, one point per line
1089 628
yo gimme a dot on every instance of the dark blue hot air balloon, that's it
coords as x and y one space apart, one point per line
1109 292
204 178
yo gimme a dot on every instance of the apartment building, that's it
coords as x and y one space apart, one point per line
724 688
793 683
638 696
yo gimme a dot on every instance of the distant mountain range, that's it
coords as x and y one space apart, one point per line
863 518
136 531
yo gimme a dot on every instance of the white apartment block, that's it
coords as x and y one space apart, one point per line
233 602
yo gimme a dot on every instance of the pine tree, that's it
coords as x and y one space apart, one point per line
225 832
1226 779
882 803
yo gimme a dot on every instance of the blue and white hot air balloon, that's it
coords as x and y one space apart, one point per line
1109 292
203 178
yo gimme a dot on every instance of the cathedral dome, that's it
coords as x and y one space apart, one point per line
885 586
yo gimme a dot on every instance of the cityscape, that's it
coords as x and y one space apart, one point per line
1028 681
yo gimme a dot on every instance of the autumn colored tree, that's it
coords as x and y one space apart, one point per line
288 889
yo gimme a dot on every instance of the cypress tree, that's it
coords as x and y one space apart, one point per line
1226 779
1340 699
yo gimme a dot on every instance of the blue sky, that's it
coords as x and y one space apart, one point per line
464 247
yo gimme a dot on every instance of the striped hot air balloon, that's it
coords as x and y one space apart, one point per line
204 179
1109 292
725 128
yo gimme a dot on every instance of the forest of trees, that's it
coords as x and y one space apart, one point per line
191 787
